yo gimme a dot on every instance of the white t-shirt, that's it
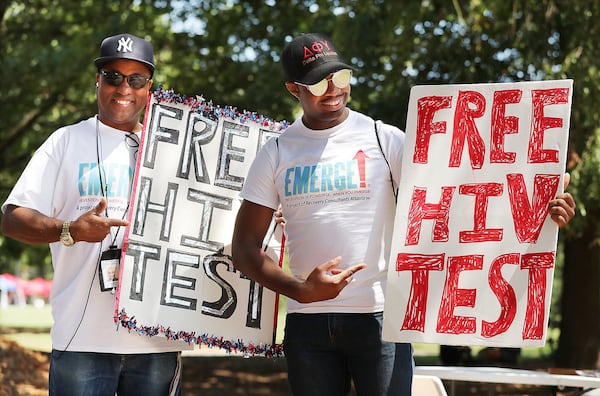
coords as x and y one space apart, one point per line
336 195
63 181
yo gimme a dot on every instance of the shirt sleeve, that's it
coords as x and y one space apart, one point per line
35 187
259 186
392 144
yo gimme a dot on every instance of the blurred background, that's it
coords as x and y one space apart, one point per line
228 52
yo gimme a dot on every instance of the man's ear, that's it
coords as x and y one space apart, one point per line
292 88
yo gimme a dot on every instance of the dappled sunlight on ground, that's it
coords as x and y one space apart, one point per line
25 372
22 372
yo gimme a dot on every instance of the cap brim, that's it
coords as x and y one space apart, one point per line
99 62
322 71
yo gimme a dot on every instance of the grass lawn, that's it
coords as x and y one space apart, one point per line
26 316
27 325
30 327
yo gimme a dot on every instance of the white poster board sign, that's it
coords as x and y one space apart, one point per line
474 249
177 279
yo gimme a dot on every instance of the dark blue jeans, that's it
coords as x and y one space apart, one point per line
99 374
325 352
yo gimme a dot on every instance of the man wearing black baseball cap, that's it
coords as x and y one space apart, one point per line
337 194
74 195
334 172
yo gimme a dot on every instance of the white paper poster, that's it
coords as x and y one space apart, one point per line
177 279
474 248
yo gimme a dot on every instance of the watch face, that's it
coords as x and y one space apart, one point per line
65 236
67 240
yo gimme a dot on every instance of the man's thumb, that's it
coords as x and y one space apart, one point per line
101 207
566 181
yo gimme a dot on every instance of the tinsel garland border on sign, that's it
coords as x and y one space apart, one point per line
210 341
199 104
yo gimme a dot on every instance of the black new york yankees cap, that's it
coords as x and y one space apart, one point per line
125 46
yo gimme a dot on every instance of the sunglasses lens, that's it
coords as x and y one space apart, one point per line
319 88
137 81
113 78
341 78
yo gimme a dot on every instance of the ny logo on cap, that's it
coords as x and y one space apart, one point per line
125 44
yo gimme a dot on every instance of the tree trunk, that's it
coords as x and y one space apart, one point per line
579 343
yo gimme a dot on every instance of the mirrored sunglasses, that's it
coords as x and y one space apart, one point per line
135 81
340 79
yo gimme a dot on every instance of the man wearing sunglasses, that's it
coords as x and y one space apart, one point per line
329 173
337 207
74 195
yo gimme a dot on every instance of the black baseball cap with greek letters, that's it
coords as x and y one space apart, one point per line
311 57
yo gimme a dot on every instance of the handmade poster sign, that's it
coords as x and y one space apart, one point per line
474 249
176 278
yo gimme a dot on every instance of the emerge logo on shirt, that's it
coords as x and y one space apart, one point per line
328 179
115 177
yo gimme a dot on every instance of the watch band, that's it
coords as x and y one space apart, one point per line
65 235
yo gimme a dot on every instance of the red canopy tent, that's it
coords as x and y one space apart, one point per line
38 287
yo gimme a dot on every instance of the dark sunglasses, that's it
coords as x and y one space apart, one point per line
135 81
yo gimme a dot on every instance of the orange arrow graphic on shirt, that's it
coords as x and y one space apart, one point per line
360 158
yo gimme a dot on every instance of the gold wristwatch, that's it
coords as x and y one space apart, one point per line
65 236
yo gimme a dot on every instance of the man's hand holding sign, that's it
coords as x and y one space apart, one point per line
562 208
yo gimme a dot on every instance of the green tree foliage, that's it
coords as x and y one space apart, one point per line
47 77
228 51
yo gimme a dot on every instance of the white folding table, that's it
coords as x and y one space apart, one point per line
587 382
